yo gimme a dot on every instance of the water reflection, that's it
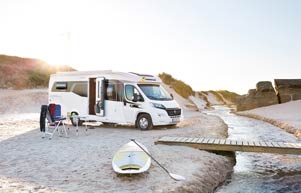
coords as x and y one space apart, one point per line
260 172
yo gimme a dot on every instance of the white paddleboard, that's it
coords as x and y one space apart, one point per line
131 159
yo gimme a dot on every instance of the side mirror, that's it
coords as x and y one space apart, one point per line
171 95
137 97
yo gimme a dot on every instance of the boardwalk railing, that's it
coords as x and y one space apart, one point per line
233 145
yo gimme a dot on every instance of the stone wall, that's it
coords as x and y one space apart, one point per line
288 89
263 95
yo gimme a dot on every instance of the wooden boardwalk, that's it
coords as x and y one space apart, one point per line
233 145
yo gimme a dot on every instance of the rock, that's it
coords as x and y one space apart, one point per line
288 89
263 95
264 86
252 92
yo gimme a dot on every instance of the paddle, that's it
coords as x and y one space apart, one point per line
173 176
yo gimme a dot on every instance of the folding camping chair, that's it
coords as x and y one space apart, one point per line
55 120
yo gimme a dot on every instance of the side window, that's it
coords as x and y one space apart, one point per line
77 87
59 87
80 89
111 92
130 91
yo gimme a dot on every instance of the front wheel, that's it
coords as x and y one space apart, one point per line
144 122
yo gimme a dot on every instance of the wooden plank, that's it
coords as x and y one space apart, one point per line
262 144
187 140
251 143
297 145
245 143
294 145
168 138
280 144
178 139
222 141
239 142
275 144
228 142
206 140
285 145
269 144
256 143
164 139
210 140
201 140
216 141
289 145
181 139
171 139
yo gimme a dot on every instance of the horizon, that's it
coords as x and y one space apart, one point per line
234 44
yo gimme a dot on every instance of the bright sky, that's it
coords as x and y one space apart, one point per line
209 44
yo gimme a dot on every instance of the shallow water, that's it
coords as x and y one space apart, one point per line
260 172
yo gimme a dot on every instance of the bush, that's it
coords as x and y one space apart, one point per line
179 86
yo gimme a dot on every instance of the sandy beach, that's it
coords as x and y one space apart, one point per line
82 163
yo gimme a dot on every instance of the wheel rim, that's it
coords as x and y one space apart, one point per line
143 122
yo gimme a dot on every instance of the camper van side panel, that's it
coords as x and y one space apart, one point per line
70 94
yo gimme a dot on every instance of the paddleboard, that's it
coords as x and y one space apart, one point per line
131 159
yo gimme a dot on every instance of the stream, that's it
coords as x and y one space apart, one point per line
259 172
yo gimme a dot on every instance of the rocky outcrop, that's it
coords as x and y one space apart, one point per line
263 95
288 89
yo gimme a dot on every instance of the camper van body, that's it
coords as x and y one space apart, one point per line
114 97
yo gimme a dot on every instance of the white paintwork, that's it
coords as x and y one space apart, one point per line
131 155
115 111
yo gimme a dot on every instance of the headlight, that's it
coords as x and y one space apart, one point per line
159 106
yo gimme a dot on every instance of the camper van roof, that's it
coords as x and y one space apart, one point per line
109 74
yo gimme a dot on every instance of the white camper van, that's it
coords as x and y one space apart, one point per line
114 97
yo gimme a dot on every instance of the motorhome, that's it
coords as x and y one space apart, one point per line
114 97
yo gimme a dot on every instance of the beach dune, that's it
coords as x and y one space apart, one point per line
82 163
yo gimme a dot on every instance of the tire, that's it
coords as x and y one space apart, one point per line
74 121
144 122
44 109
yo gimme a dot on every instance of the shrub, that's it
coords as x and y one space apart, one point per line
179 86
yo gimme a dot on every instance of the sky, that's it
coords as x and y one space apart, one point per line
209 44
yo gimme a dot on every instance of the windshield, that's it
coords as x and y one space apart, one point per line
155 92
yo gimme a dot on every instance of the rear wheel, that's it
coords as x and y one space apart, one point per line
75 119
144 122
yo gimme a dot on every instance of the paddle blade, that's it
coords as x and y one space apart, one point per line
177 177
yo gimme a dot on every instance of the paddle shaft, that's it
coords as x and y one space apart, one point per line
151 156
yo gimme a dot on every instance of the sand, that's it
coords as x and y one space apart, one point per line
286 116
82 163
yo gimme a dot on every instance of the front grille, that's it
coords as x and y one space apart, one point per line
173 112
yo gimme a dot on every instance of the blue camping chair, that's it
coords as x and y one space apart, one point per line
55 121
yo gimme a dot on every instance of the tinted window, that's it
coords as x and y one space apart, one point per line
114 90
80 89
61 85
77 87
111 92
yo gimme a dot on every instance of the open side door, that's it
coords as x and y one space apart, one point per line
100 97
